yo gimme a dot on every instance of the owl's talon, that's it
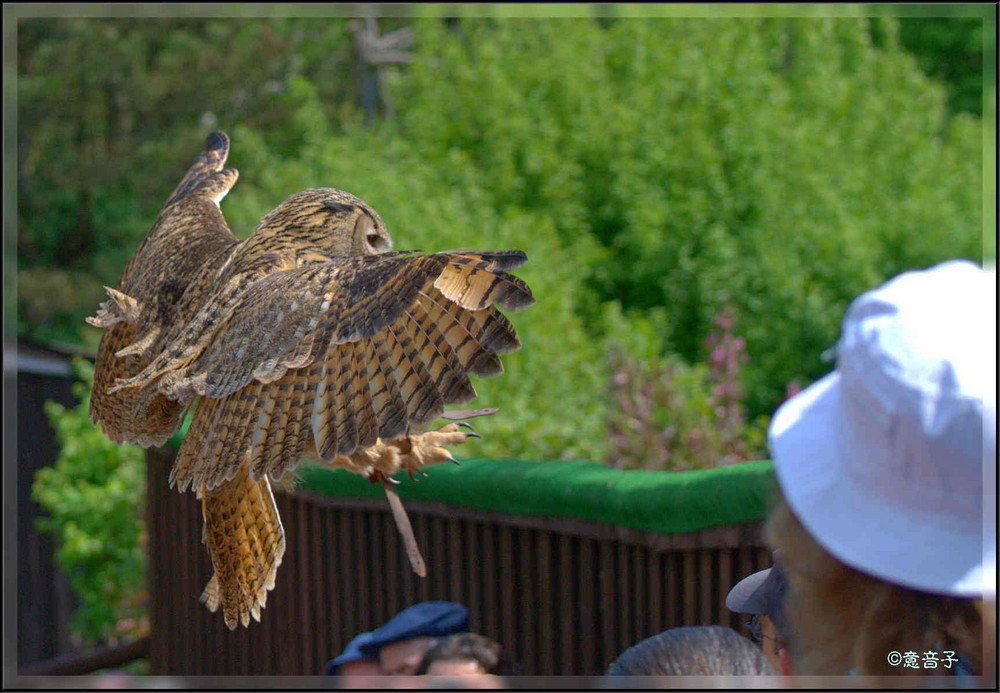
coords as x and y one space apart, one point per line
467 425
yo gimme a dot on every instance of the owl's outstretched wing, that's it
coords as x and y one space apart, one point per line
163 282
336 356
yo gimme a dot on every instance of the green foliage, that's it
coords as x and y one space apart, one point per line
103 104
781 166
949 49
95 498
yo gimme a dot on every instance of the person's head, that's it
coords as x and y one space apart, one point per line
846 619
772 640
398 647
465 654
693 651
761 596
360 667
403 657
881 470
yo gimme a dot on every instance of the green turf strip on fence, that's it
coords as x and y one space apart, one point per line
663 502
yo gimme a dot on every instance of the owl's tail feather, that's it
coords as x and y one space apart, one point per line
246 542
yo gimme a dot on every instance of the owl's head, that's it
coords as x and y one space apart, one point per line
337 222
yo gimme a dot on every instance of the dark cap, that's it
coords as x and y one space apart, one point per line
426 619
760 593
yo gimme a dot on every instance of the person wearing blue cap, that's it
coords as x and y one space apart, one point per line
397 647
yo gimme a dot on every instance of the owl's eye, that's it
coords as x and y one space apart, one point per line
376 242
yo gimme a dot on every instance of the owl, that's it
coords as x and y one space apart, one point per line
311 338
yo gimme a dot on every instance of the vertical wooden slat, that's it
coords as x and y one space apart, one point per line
744 562
672 581
456 561
318 592
766 560
623 570
690 589
545 593
527 601
590 632
640 597
370 603
334 583
155 544
491 582
472 552
184 573
566 580
508 585
305 583
381 581
609 627
353 585
364 597
322 581
654 573
421 530
399 574
437 572
181 591
706 601
196 640
725 583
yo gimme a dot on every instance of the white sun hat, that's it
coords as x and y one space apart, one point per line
884 460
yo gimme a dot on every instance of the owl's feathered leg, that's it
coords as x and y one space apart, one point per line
410 453
404 526
246 542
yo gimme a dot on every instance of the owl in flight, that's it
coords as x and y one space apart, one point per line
312 337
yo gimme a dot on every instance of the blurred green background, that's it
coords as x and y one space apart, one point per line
656 171
699 199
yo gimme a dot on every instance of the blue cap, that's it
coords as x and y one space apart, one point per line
426 619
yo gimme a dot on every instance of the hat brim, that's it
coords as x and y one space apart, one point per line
853 522
351 653
747 596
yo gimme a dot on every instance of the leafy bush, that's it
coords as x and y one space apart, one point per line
669 415
95 496
781 166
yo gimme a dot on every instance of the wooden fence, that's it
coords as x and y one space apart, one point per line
565 595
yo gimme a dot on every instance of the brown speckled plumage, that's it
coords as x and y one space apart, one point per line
312 337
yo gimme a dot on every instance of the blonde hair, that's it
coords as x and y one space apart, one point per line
843 620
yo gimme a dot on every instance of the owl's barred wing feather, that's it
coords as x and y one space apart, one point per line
162 285
375 367
261 334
